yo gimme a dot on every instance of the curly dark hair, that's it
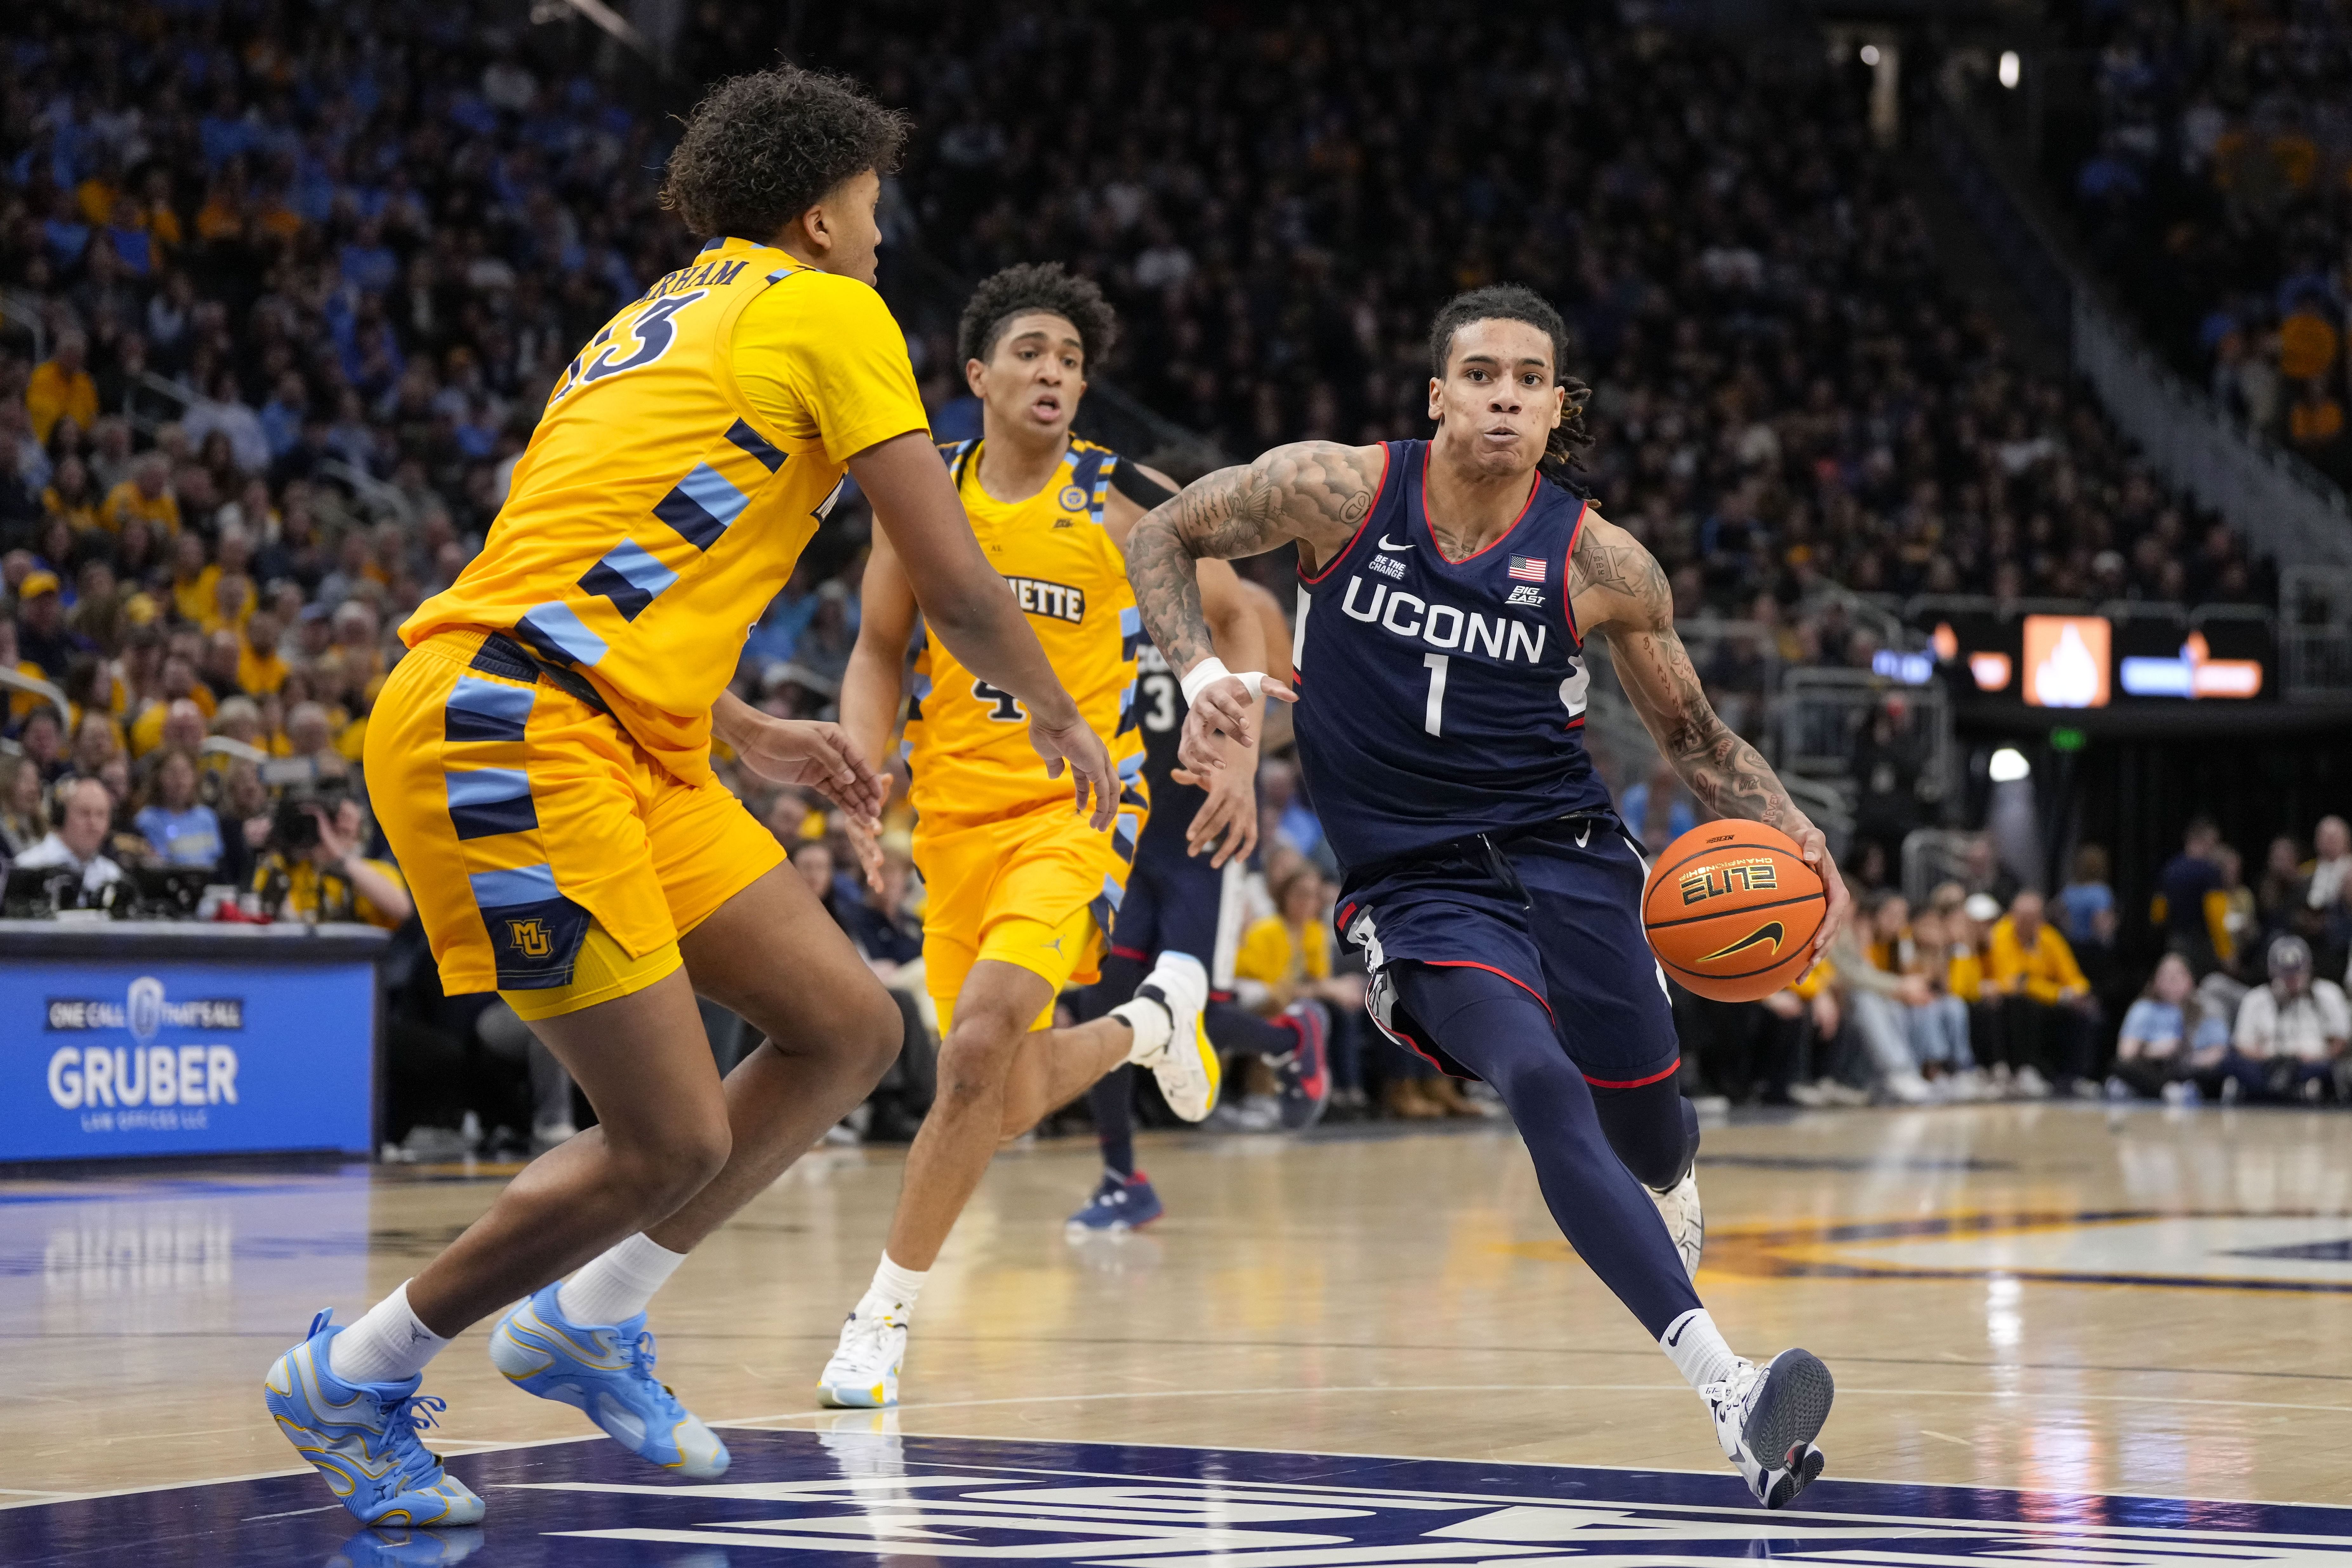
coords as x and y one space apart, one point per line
1036 286
760 150
1564 450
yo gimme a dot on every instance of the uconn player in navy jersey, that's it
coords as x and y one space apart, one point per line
1446 589
1183 895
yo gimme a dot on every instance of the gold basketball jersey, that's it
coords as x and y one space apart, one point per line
967 742
684 458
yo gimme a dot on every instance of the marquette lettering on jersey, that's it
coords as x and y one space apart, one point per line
1059 600
1448 696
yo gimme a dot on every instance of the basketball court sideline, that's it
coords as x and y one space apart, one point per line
2060 1333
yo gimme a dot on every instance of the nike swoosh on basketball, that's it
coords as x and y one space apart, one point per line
1394 548
1772 931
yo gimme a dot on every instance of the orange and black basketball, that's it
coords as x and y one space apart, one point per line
1731 908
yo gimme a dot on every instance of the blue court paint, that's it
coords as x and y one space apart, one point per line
838 1498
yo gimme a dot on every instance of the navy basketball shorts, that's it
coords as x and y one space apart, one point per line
1569 932
1180 903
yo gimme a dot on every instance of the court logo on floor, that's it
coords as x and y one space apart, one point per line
858 1495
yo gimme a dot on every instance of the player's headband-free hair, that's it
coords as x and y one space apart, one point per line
1043 289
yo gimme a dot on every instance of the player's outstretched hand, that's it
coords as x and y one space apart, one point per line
1077 747
1227 821
818 756
867 843
1815 847
1224 706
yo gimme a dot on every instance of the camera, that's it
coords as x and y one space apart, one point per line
294 824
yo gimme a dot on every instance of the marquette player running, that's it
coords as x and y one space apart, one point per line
1183 895
1021 893
540 762
1445 592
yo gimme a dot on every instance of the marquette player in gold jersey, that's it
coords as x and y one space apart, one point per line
540 761
1020 892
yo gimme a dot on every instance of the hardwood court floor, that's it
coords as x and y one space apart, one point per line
2052 1296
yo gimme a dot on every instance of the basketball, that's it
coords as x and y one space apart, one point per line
1731 908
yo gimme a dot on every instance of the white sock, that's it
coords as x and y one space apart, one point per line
388 1345
1151 1024
896 1287
1696 1348
618 1283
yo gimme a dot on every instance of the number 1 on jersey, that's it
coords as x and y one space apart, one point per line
1433 718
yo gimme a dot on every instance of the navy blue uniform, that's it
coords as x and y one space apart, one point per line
1439 727
1175 903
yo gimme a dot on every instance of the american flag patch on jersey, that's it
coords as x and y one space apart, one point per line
1528 568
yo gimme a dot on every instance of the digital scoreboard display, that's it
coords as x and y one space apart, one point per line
2091 662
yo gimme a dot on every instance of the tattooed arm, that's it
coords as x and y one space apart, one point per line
1617 589
1315 492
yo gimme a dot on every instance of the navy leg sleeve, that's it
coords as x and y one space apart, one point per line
1112 1100
1654 1130
1501 1033
1236 1029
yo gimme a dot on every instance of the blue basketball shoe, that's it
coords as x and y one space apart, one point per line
1119 1203
605 1371
363 1439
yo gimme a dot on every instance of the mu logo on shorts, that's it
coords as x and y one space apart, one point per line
531 937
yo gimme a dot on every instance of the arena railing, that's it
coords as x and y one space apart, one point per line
1822 713
1624 751
366 489
22 313
1933 855
16 680
2315 632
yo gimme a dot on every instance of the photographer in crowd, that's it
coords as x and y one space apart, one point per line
312 868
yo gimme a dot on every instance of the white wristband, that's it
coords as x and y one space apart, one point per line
1211 670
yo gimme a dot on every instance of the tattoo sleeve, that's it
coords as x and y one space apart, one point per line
1725 773
1316 492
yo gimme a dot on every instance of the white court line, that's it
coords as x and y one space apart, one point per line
1550 1465
1292 1392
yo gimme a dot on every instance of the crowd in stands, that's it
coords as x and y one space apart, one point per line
284 288
2214 192
1786 392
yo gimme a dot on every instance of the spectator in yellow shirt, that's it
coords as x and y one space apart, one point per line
147 495
193 579
1283 957
61 388
2044 1000
71 495
232 603
259 669
150 728
1284 954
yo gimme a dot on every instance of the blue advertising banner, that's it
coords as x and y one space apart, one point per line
105 1060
